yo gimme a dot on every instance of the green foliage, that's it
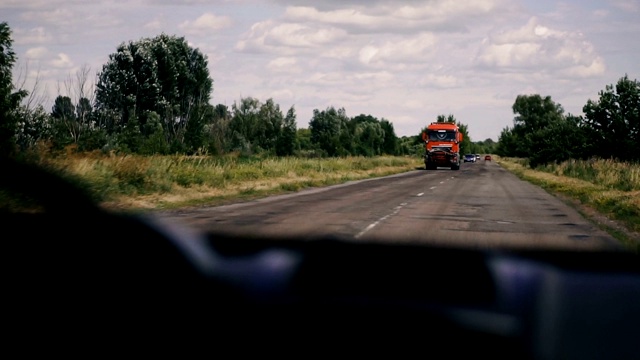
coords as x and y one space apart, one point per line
328 131
34 126
269 125
243 124
488 146
332 133
446 118
613 122
390 141
465 145
217 130
9 100
287 143
163 76
543 134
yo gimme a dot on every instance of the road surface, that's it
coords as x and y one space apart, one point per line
480 206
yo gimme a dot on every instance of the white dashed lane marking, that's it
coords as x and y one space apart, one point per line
374 224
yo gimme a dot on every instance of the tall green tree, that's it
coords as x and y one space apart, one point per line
161 75
269 125
390 141
465 145
533 114
329 130
218 130
542 132
613 121
365 135
65 125
34 126
9 99
288 141
507 143
243 124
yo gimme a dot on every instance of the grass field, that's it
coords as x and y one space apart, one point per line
138 183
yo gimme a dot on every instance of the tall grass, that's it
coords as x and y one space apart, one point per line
148 182
624 176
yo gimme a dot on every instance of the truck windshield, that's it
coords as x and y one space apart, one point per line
442 136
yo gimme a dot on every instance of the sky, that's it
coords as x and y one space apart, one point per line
404 61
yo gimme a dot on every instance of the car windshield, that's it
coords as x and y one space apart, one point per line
442 135
274 166
162 127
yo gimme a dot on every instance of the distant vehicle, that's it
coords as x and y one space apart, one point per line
477 157
487 158
470 158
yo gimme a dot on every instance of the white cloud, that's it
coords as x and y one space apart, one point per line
300 35
406 50
391 17
62 61
595 68
205 24
537 48
36 53
444 10
284 64
268 36
342 16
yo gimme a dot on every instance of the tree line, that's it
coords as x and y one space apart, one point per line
153 97
543 133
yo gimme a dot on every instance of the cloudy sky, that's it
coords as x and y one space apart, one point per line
404 61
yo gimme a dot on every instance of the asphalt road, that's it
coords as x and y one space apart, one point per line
479 206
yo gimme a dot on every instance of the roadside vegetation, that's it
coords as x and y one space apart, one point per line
593 159
594 187
141 183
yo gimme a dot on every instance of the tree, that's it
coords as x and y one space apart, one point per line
34 126
613 122
288 142
533 114
465 144
9 100
329 130
269 125
243 123
446 118
161 75
218 129
390 141
560 140
507 143
66 128
542 133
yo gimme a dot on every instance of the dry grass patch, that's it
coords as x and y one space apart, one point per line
139 183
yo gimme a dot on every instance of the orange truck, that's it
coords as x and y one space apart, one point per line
442 146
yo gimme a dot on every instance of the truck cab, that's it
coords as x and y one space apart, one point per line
442 146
